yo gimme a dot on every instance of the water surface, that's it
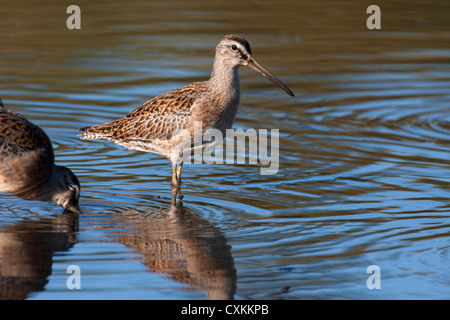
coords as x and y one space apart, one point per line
364 153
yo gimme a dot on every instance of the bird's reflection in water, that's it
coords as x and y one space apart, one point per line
186 247
26 252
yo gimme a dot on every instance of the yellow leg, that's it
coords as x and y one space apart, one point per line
175 184
176 180
179 168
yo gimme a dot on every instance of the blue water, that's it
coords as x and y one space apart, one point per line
364 154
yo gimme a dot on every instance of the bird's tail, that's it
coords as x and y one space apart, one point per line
100 131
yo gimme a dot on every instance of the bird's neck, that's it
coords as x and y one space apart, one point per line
46 190
224 79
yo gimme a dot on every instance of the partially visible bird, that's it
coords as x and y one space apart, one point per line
160 125
27 164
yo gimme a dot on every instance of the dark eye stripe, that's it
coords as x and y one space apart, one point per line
242 41
243 55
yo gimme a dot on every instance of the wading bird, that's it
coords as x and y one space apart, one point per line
158 125
27 164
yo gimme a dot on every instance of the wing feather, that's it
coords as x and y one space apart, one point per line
158 118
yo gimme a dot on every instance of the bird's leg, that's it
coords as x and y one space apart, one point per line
175 184
174 199
179 168
176 180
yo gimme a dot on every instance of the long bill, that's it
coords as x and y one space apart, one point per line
252 63
74 209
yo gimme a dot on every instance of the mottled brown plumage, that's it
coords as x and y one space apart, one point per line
156 119
155 126
27 164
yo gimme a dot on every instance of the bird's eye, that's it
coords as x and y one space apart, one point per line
233 47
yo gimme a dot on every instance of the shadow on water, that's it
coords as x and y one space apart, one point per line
175 242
